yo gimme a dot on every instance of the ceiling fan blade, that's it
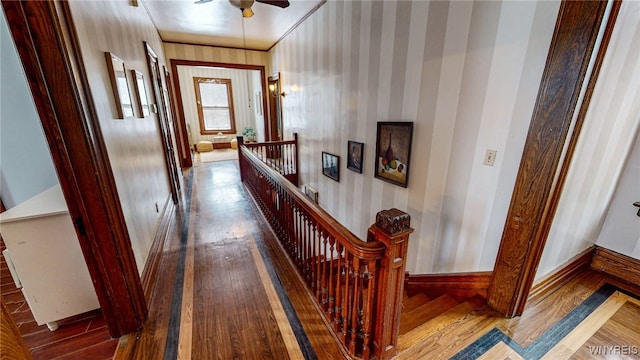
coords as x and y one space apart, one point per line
279 3
202 1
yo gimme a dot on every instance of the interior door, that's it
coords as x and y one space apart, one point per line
184 156
273 128
163 121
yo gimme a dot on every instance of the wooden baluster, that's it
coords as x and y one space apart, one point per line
370 280
319 264
305 232
355 310
307 265
332 281
313 259
339 280
346 308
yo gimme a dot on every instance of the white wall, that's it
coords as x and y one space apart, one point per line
244 87
607 139
26 168
466 73
133 144
621 230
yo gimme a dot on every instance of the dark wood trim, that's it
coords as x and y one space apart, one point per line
460 286
48 47
275 109
166 136
615 264
12 346
575 266
157 246
183 151
535 194
181 121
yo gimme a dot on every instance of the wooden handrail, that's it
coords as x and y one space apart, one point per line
368 250
279 155
356 285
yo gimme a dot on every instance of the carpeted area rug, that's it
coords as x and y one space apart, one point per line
216 155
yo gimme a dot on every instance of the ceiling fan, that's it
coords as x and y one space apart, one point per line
245 5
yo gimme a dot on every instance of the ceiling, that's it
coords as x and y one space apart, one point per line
218 23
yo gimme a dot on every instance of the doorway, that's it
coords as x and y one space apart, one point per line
274 126
248 87
163 121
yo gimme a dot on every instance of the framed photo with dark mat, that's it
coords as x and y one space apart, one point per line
331 165
354 157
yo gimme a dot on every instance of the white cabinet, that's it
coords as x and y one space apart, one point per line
44 250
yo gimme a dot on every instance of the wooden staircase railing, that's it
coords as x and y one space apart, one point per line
279 155
357 286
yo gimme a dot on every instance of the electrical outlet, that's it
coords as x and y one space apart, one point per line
490 157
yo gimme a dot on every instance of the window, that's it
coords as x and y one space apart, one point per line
215 106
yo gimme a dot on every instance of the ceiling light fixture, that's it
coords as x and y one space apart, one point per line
244 6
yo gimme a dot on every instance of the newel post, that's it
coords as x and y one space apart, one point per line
240 140
392 228
297 161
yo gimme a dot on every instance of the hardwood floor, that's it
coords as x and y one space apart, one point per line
226 290
83 336
591 317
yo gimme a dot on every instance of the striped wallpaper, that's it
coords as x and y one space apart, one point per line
466 73
133 144
607 142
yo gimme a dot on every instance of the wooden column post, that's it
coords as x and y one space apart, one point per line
392 228
240 159
297 178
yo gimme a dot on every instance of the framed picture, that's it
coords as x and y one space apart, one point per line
120 86
141 91
331 166
354 156
393 152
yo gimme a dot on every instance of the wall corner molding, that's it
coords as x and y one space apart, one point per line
617 265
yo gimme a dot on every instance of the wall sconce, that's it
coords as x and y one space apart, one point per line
272 91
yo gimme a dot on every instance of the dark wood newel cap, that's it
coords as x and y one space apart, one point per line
393 221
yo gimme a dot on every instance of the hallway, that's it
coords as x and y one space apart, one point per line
221 258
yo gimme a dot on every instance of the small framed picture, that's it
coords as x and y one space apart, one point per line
119 85
141 92
331 166
354 157
393 152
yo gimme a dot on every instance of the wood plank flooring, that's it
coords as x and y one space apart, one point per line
239 298
594 316
226 290
83 336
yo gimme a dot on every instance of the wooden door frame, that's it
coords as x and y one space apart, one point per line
186 161
546 159
271 125
49 51
157 91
